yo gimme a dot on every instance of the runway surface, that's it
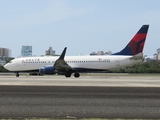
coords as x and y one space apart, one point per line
115 80
27 97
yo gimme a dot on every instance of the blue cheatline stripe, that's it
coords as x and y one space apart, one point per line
88 69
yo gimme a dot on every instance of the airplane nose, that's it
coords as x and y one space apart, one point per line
6 66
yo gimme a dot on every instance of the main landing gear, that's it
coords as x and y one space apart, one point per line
76 74
68 74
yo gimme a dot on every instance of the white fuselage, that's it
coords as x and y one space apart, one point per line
90 63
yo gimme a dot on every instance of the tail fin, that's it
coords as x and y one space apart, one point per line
136 44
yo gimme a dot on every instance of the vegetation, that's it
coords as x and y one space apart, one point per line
146 67
2 69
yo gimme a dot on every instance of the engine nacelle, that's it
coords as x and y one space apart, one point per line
47 70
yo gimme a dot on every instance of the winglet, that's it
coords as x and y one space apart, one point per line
63 54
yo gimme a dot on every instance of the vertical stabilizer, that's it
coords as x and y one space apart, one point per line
136 44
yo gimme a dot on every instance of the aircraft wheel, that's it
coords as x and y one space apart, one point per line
76 75
17 74
68 74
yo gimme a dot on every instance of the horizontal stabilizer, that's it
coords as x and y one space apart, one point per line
137 56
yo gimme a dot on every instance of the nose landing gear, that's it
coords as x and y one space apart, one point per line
17 74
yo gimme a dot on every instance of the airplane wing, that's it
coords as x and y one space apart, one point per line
60 64
137 56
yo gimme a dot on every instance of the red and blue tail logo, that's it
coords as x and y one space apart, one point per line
136 44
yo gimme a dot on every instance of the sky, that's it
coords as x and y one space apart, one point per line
83 26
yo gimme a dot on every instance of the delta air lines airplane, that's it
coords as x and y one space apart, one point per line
66 65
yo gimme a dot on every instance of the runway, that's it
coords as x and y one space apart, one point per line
27 97
114 80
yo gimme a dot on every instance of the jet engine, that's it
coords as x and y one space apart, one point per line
47 70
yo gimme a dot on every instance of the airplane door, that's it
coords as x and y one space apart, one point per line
117 63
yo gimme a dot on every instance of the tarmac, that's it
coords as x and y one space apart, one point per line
111 96
114 80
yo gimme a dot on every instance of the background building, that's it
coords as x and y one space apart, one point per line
26 51
50 51
158 54
101 53
155 57
5 53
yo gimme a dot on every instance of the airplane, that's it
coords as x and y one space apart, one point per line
66 65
